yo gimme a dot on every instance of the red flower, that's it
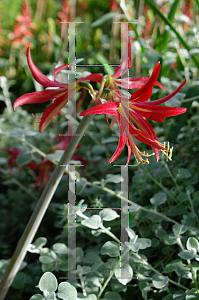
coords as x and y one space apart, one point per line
13 156
44 175
61 95
136 109
22 27
64 143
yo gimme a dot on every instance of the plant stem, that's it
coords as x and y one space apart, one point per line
40 209
131 202
190 99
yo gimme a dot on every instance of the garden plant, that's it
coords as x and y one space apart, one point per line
99 150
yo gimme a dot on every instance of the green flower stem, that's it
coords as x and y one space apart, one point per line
40 210
168 22
104 79
108 232
131 202
88 86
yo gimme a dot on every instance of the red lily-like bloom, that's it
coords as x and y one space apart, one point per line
46 167
136 109
44 175
63 145
61 95
13 156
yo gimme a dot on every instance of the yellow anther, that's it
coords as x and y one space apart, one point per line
119 108
167 152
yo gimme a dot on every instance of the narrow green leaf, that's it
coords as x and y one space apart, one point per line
171 15
104 18
168 22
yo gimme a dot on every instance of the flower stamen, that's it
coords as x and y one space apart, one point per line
167 152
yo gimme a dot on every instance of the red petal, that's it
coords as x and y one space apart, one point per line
109 108
142 137
39 97
39 76
160 101
158 113
92 77
34 166
136 83
125 64
143 125
38 179
51 111
59 69
119 149
129 152
145 92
